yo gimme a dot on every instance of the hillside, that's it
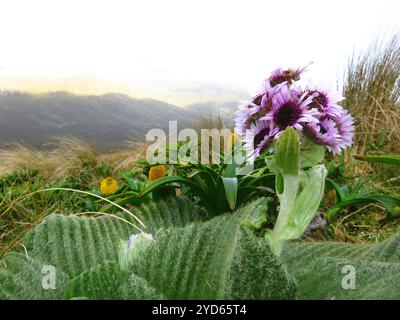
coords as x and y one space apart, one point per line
105 121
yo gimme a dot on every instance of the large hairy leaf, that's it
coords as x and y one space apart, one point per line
108 281
75 245
218 259
190 258
174 212
319 269
21 277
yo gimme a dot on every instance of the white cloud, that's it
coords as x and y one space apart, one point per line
226 42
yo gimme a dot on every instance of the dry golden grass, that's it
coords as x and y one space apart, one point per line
67 159
124 159
372 91
70 156
17 157
209 121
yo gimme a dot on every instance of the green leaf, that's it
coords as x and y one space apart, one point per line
218 259
168 213
89 241
83 247
100 282
287 152
385 159
318 269
391 205
231 190
21 278
74 244
258 215
311 154
197 189
108 282
293 220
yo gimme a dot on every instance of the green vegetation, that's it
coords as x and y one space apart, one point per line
120 228
234 263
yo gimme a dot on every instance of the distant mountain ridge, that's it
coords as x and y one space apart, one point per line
105 121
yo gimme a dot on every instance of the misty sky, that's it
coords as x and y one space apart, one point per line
228 43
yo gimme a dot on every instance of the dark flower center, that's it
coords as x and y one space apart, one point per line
319 102
257 99
287 115
323 130
260 136
287 75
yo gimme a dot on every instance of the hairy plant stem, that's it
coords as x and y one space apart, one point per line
287 199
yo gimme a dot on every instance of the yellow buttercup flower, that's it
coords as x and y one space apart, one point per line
157 172
108 186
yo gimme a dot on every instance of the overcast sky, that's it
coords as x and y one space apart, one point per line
228 43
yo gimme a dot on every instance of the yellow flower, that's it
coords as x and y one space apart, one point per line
157 172
108 186
233 141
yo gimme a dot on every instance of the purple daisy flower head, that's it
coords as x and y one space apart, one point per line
345 124
324 132
326 100
280 103
288 109
260 137
244 115
289 75
336 133
249 111
269 92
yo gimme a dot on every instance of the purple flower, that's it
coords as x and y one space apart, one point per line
260 137
324 132
279 104
288 109
279 75
336 133
244 116
249 111
345 124
326 101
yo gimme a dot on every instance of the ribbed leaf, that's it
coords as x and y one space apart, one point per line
218 259
75 244
21 278
190 258
89 241
323 280
108 282
377 269
173 212
101 282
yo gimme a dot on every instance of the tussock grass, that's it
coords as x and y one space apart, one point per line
71 156
124 160
210 121
33 182
17 157
372 91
